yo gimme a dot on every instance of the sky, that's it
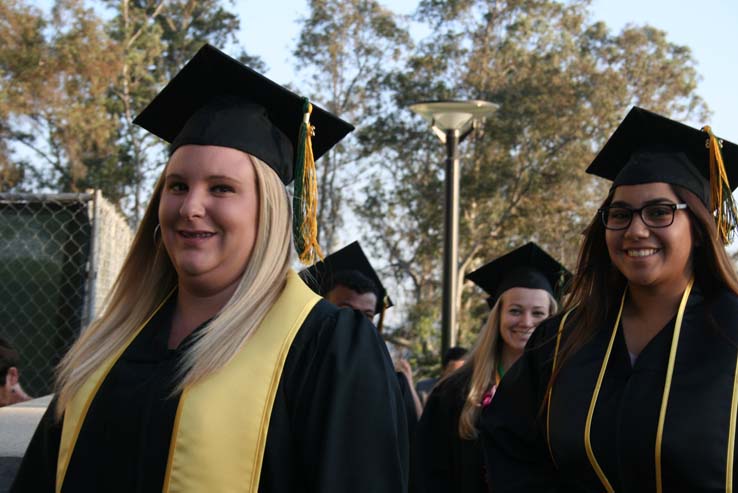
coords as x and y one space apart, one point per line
709 28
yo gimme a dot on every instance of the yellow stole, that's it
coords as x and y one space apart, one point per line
221 425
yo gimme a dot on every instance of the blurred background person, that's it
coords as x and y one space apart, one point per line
447 453
346 278
11 391
452 360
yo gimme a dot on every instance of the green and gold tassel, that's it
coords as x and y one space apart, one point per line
721 196
380 324
305 199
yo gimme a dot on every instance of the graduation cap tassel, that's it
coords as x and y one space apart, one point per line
380 323
305 200
721 196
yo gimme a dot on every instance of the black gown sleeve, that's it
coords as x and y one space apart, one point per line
434 444
513 426
408 401
338 423
37 472
349 420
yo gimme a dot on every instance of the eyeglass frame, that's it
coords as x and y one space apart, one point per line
674 207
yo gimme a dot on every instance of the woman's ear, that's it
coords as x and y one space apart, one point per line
11 378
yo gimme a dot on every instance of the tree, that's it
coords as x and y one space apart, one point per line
156 38
20 40
346 49
73 82
563 83
56 89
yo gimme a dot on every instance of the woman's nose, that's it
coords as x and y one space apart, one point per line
192 205
637 228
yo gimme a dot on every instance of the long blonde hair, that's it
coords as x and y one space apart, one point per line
147 277
482 363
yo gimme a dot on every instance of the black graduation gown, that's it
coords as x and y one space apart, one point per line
442 461
337 424
411 415
624 424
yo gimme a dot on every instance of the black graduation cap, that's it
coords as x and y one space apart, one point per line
525 267
320 276
217 100
649 148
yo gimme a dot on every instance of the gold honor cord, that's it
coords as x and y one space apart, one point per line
595 394
667 383
550 390
664 399
731 435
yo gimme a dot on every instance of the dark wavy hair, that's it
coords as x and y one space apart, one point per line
354 280
597 284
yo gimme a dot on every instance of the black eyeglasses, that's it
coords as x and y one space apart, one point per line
653 216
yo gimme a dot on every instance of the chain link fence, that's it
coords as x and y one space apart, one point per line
59 257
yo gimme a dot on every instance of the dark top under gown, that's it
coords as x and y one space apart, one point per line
442 461
337 424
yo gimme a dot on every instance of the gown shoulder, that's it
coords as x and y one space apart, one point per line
337 423
512 426
338 416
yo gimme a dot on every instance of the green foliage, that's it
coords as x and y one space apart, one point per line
56 87
346 50
562 83
73 80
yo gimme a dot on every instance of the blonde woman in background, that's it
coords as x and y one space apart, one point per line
214 368
447 455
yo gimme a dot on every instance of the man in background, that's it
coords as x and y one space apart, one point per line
11 391
452 360
347 279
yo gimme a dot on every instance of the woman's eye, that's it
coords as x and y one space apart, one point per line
514 311
222 188
177 187
659 211
539 314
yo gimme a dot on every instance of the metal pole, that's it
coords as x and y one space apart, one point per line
450 242
93 262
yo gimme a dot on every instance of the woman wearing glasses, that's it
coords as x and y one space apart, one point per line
635 386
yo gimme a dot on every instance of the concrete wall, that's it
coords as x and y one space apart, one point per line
17 424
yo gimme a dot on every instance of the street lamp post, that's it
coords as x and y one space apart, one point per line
451 121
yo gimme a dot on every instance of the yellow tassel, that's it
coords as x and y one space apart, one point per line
380 324
309 228
721 197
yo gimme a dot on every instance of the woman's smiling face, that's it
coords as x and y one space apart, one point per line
522 310
208 214
647 256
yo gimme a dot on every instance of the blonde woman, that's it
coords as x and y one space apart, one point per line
447 454
214 368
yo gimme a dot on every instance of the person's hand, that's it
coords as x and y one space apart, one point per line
404 367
